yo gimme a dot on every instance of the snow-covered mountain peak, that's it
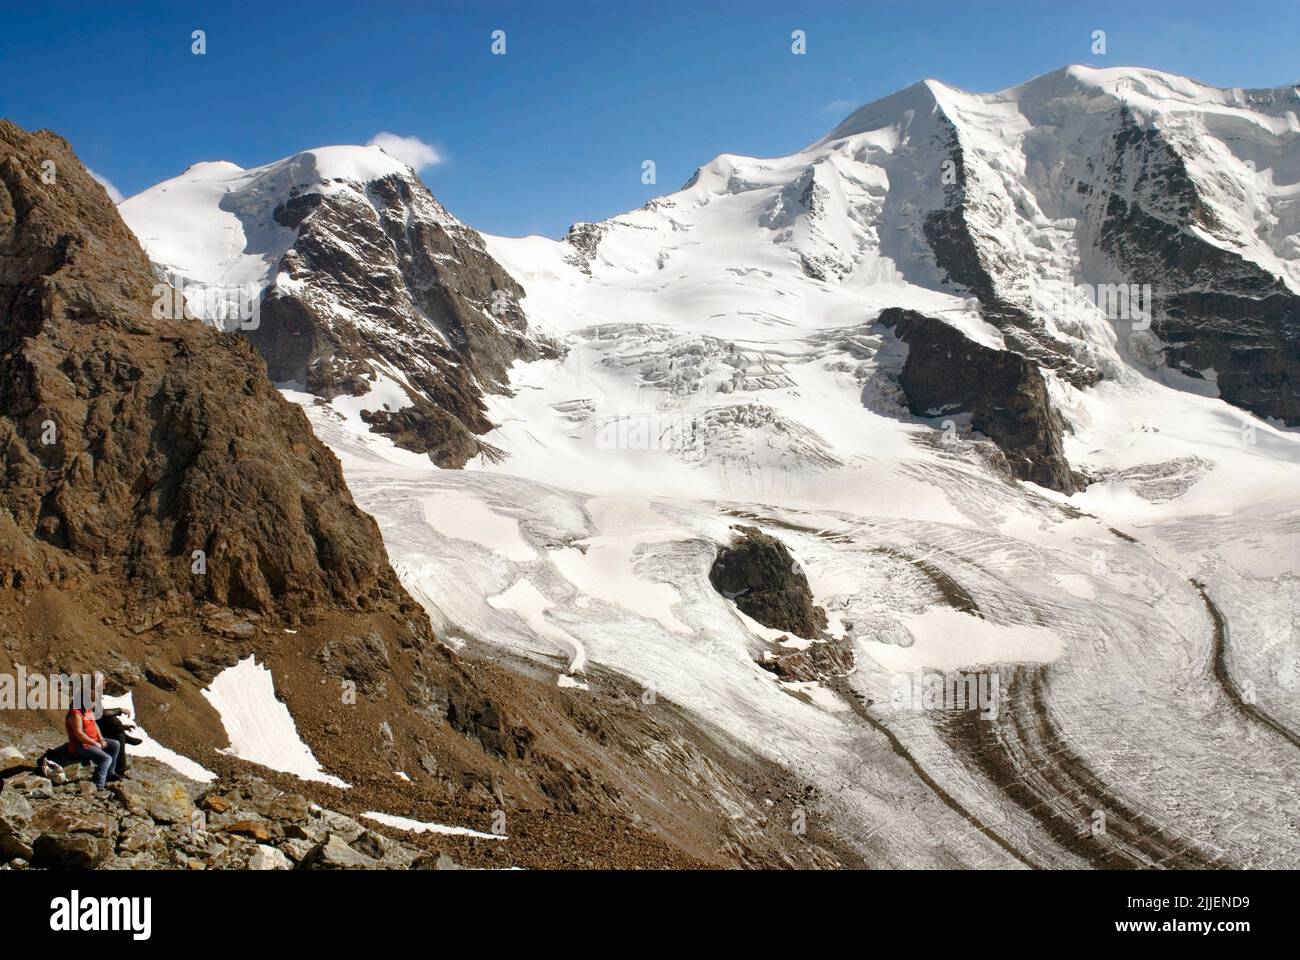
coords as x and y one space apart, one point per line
367 292
894 112
1031 203
215 224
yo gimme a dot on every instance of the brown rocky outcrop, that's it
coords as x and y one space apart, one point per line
758 573
129 444
1004 392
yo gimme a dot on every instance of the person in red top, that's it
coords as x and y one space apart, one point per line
87 745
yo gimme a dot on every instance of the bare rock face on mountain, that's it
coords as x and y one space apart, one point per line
386 280
1150 193
759 575
1005 394
1217 314
155 452
366 287
963 236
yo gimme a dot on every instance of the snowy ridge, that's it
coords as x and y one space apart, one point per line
215 224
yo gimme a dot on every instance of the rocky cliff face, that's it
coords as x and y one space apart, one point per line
368 287
1218 315
424 304
948 373
155 452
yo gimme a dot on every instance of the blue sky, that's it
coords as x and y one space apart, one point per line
556 130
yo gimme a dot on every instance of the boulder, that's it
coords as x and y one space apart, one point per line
759 574
11 757
296 848
258 830
15 833
390 854
69 851
333 853
326 823
440 862
248 795
162 800
68 818
268 858
31 785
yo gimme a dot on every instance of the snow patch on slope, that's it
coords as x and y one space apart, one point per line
418 826
259 726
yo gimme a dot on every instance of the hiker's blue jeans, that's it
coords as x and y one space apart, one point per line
102 757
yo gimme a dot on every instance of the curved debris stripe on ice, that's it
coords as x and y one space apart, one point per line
946 639
260 727
418 826
463 516
531 605
152 748
822 697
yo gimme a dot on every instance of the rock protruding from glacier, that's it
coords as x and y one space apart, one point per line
1005 394
757 572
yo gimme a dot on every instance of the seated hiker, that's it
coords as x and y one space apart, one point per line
87 745
112 728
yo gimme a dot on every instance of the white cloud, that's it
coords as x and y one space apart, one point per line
412 151
114 194
839 106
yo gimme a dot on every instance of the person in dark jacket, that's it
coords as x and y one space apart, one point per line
113 728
